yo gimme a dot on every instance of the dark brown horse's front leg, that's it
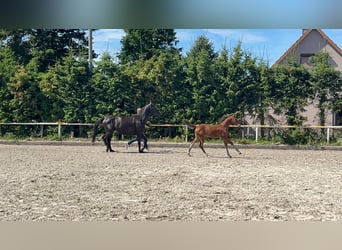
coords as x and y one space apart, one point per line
141 150
145 142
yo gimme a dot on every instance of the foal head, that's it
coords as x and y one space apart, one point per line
230 120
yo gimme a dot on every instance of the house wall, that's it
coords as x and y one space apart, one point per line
311 44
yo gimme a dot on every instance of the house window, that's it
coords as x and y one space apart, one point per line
338 119
304 58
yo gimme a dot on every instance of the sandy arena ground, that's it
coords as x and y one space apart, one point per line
84 183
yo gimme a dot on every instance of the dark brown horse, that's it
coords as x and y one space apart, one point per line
131 125
218 130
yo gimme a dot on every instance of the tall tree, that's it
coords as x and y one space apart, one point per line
290 90
27 102
47 46
17 40
67 85
171 92
110 91
200 75
326 83
143 44
143 53
223 105
243 81
8 68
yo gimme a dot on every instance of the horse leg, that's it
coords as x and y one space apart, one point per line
225 141
145 142
192 144
139 144
104 138
109 143
107 139
201 146
231 143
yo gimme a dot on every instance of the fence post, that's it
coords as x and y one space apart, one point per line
186 133
328 135
59 130
256 133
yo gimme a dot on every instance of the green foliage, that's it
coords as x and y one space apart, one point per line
44 76
290 91
8 68
200 76
143 44
326 84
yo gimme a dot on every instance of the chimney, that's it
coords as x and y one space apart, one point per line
304 30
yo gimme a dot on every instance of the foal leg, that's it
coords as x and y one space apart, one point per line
231 143
192 144
226 146
201 146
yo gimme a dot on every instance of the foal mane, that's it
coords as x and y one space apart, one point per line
223 118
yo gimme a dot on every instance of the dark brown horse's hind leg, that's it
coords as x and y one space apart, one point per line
107 138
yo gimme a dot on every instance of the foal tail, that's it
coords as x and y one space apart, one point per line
96 125
190 124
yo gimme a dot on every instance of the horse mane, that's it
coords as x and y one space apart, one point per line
145 107
225 117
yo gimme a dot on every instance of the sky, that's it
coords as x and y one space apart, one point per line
268 44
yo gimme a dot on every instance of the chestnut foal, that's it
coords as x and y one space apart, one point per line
218 130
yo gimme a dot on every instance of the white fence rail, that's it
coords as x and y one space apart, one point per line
256 128
58 124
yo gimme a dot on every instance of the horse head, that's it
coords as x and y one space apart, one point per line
150 110
230 120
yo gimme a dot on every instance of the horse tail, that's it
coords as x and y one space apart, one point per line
96 125
190 124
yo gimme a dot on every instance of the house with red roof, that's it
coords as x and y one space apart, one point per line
311 42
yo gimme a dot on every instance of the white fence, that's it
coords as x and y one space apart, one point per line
256 129
42 124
